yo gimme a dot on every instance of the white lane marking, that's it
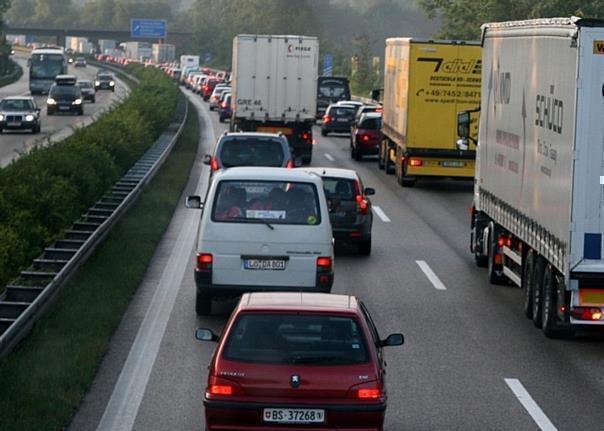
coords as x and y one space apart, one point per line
431 275
530 405
602 180
329 157
381 214
122 409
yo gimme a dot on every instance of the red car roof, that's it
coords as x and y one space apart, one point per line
298 301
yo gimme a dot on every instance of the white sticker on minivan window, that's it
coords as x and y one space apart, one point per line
265 214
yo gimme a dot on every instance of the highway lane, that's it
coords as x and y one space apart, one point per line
462 342
55 127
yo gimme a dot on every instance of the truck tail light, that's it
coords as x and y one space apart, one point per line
586 313
362 205
415 162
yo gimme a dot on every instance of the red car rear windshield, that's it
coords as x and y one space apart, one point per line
296 339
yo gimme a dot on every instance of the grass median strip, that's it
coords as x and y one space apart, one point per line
44 380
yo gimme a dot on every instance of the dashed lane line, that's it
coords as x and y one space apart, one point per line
381 214
431 275
530 405
329 157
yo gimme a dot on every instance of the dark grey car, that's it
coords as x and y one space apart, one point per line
250 149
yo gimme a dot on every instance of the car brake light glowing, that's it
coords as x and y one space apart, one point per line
369 393
324 264
214 164
363 206
290 164
415 162
204 261
305 136
365 138
326 119
224 105
220 390
501 241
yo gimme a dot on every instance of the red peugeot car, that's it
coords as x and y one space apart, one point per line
294 360
366 135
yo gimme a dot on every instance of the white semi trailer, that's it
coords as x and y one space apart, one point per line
275 87
538 214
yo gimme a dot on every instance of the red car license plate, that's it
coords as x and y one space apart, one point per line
294 416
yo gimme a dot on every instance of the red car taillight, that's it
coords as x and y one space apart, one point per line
305 136
324 272
326 119
214 164
222 387
290 164
371 394
224 105
365 138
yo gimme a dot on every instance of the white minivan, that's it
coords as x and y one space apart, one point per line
262 229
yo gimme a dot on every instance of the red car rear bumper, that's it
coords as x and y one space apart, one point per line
226 415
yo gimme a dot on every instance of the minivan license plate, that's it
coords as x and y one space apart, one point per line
265 264
294 416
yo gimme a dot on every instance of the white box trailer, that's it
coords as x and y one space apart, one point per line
538 213
274 84
189 61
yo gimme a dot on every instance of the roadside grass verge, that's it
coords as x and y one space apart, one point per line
13 76
44 380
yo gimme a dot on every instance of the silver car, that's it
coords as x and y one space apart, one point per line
19 113
215 97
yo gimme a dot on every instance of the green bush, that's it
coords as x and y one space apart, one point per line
45 191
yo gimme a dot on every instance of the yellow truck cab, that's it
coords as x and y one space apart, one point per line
426 83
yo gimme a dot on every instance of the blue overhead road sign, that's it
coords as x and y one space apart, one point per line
327 65
148 28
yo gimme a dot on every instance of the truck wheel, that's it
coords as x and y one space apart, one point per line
203 304
549 320
403 179
495 277
381 164
528 277
365 247
537 288
480 259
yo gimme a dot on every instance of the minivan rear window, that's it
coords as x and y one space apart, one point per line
342 111
311 339
251 151
273 202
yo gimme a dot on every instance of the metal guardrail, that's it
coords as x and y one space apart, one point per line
27 297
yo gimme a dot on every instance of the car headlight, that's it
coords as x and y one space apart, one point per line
1 117
51 101
112 83
29 117
97 83
77 102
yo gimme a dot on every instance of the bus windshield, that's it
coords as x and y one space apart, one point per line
46 66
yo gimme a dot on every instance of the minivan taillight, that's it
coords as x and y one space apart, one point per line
204 261
324 273
214 164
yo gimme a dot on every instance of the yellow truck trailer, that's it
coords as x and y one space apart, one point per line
426 83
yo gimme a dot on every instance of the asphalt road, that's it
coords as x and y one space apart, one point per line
55 127
471 361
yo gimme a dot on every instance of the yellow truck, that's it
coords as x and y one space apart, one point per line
426 83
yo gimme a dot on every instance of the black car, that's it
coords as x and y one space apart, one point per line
87 89
250 149
64 98
19 113
79 62
331 89
338 119
104 81
349 206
